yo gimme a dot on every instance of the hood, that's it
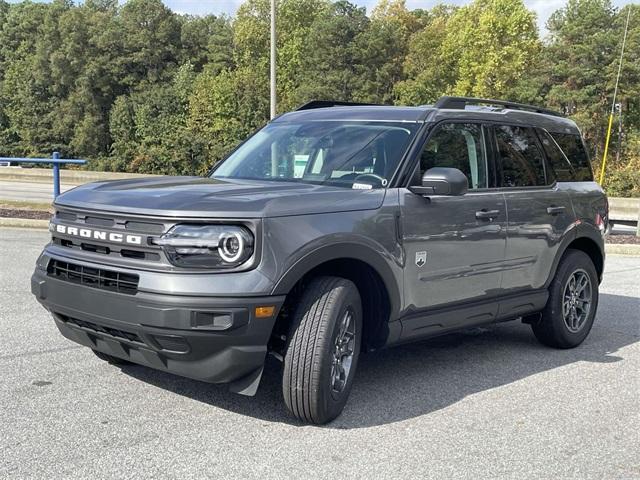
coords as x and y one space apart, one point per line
210 197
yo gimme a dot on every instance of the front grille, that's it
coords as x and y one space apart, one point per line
119 282
114 250
94 327
118 253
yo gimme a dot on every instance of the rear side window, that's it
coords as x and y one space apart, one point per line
521 160
573 148
560 169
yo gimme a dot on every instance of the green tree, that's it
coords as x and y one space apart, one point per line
490 44
224 109
149 129
381 50
151 41
429 72
134 86
295 22
4 11
28 91
332 57
483 49
583 58
207 41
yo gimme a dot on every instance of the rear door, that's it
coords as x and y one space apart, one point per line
539 210
570 165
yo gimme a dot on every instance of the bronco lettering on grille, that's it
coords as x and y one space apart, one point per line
97 234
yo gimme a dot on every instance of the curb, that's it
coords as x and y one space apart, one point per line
621 249
24 223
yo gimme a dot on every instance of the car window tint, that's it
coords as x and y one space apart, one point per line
560 169
573 148
457 145
521 160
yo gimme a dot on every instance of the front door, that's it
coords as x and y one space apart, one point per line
454 246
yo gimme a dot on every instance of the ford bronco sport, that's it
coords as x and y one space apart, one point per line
334 230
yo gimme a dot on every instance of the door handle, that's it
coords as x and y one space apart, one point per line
487 214
555 210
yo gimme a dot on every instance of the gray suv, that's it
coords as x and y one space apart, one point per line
336 229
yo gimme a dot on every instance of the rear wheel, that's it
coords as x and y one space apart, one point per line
110 358
322 350
573 300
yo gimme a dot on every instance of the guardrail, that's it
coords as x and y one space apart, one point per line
625 211
55 160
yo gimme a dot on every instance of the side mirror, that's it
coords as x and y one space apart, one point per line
442 181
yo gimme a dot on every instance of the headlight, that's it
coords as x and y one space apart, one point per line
207 246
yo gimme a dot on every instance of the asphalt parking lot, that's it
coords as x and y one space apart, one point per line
487 403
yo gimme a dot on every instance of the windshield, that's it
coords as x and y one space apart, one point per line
347 154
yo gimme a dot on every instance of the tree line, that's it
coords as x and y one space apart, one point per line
140 88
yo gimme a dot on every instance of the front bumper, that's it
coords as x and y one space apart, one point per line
213 339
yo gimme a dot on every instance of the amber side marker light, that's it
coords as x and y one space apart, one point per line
265 312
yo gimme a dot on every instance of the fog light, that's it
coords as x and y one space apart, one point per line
211 320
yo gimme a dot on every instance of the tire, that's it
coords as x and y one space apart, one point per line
559 327
314 387
111 359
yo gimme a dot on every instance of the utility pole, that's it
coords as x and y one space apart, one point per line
273 59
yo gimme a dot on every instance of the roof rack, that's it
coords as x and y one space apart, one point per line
459 103
330 103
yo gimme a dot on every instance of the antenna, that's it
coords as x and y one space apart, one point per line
613 103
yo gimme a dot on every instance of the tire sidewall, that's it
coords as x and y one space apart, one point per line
330 401
575 260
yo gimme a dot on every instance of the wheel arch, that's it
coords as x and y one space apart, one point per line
368 269
587 241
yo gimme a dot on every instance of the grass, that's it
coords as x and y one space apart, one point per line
25 205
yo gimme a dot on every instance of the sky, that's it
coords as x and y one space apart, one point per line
543 8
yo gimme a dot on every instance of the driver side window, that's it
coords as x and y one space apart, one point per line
461 146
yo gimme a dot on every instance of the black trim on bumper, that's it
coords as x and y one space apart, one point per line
212 339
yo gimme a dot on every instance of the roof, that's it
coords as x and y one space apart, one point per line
379 113
462 109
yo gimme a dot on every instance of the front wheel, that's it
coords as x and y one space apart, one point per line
322 350
573 300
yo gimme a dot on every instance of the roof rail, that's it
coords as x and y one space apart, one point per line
331 103
459 103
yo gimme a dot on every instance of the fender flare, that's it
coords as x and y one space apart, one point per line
347 251
582 230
